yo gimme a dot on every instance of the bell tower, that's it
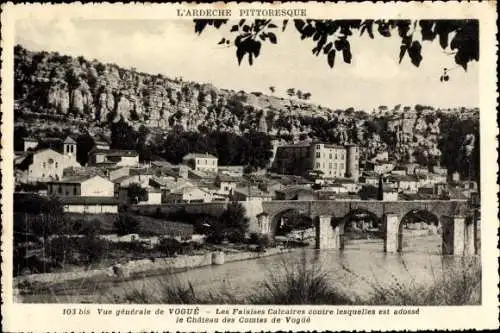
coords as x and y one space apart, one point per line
70 147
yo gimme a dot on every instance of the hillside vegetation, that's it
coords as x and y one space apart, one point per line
56 95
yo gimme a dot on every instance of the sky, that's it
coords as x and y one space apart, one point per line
171 47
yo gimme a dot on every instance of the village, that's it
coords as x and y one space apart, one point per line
331 172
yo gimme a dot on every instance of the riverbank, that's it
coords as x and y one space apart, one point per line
137 269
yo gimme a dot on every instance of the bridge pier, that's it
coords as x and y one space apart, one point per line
264 223
392 238
470 246
454 235
326 236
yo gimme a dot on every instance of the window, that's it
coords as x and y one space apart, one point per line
318 155
318 165
59 190
330 155
57 165
336 157
335 165
341 166
318 146
44 165
342 156
330 166
74 190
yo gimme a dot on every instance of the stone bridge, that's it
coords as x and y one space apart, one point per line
459 234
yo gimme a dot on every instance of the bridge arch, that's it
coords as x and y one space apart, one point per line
356 222
416 217
289 219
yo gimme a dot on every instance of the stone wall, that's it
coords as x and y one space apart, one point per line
148 266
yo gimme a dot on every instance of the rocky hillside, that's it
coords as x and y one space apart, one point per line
96 95
78 88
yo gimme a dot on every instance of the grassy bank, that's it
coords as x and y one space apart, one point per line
301 284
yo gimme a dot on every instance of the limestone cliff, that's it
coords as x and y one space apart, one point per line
97 94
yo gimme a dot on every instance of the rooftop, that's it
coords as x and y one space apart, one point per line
116 152
198 155
69 140
252 192
76 179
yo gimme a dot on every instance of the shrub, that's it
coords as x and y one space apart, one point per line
170 246
126 224
61 250
92 249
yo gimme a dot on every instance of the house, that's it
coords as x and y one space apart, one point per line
439 170
410 168
295 193
113 156
399 171
369 179
201 162
350 185
122 184
231 170
226 184
381 156
89 204
30 144
101 145
390 195
421 171
380 167
154 197
187 194
82 186
434 190
435 178
335 187
403 183
250 194
118 172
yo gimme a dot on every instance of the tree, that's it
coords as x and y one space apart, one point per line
126 224
272 89
380 194
290 92
84 143
332 36
234 218
136 193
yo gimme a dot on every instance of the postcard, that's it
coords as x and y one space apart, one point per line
249 166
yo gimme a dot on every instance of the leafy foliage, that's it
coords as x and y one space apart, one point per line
126 224
136 193
332 36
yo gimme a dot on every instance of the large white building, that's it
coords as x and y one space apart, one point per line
47 164
331 161
201 162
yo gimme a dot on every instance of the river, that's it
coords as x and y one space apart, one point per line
354 269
